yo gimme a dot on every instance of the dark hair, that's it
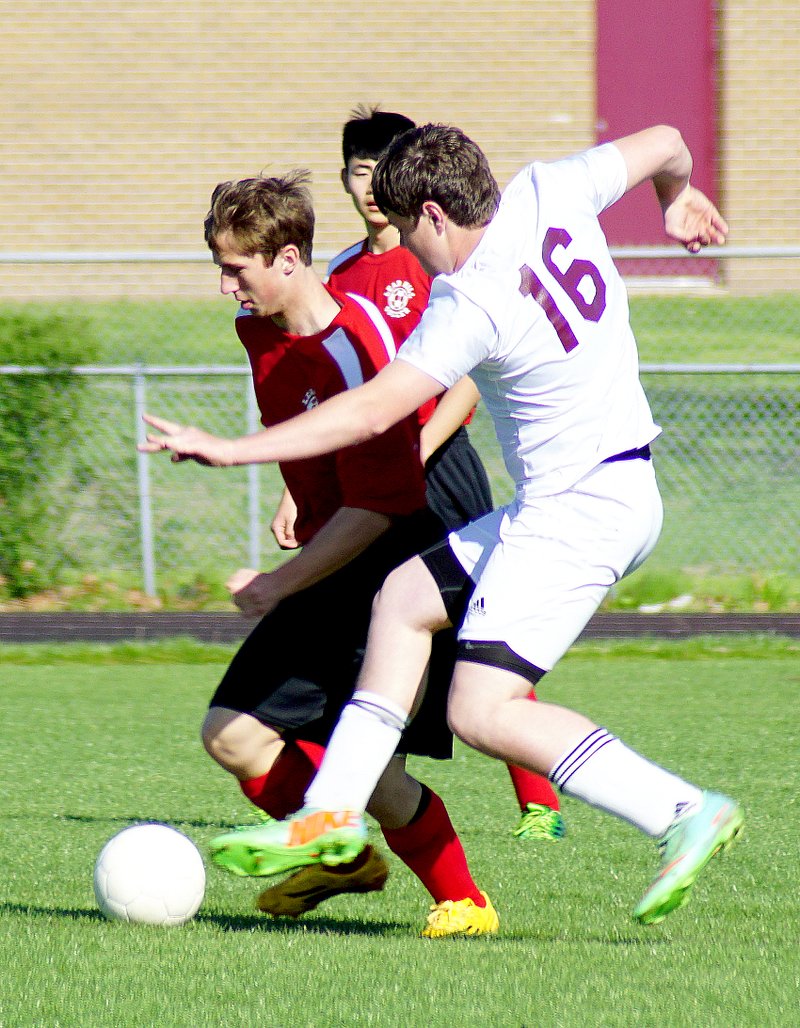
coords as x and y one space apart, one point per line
369 131
263 215
441 163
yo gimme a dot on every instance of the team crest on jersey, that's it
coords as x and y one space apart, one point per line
310 400
398 294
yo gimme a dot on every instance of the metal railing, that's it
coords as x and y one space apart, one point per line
202 256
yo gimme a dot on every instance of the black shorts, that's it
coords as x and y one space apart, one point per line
298 667
458 487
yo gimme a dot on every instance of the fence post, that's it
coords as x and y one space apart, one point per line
143 480
253 497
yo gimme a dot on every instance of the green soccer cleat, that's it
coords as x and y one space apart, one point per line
686 847
308 837
540 822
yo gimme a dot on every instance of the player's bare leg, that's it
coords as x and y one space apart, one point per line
393 804
489 709
395 800
406 612
423 837
240 743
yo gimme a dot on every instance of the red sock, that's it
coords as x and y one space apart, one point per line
430 847
530 787
280 791
313 751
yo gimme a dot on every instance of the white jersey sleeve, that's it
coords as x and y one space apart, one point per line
454 336
600 174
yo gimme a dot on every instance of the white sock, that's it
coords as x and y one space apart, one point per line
362 744
603 772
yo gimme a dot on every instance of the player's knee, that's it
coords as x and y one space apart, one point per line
463 721
215 741
227 739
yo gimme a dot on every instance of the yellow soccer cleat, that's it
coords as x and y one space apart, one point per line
461 917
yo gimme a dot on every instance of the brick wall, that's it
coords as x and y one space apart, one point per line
118 118
760 126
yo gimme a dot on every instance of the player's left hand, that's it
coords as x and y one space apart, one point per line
252 593
186 443
283 523
692 219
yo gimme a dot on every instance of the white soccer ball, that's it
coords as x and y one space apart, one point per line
150 874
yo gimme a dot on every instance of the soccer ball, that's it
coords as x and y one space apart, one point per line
150 874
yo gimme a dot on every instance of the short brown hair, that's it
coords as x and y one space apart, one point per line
437 162
263 215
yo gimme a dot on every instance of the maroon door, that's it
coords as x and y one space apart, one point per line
657 63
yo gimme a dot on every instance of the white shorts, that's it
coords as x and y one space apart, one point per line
543 566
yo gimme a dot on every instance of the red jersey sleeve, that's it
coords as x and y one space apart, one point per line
295 373
395 282
384 474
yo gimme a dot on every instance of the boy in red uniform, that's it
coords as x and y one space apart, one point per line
360 513
457 485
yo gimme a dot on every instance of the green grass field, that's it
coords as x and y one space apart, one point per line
98 738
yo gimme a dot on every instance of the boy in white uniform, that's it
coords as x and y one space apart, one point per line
529 303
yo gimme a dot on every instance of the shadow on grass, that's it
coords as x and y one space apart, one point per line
323 926
68 913
336 926
228 922
292 926
127 819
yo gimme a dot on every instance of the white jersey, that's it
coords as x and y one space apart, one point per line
538 317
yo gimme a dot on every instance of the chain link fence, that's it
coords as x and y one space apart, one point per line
727 459
727 462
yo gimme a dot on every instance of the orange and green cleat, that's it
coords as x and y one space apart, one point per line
308 837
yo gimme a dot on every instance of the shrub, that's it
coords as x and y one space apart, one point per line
38 415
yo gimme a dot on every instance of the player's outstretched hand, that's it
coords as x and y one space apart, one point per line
692 219
186 443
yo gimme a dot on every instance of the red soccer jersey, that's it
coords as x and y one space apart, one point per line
396 284
394 281
294 373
